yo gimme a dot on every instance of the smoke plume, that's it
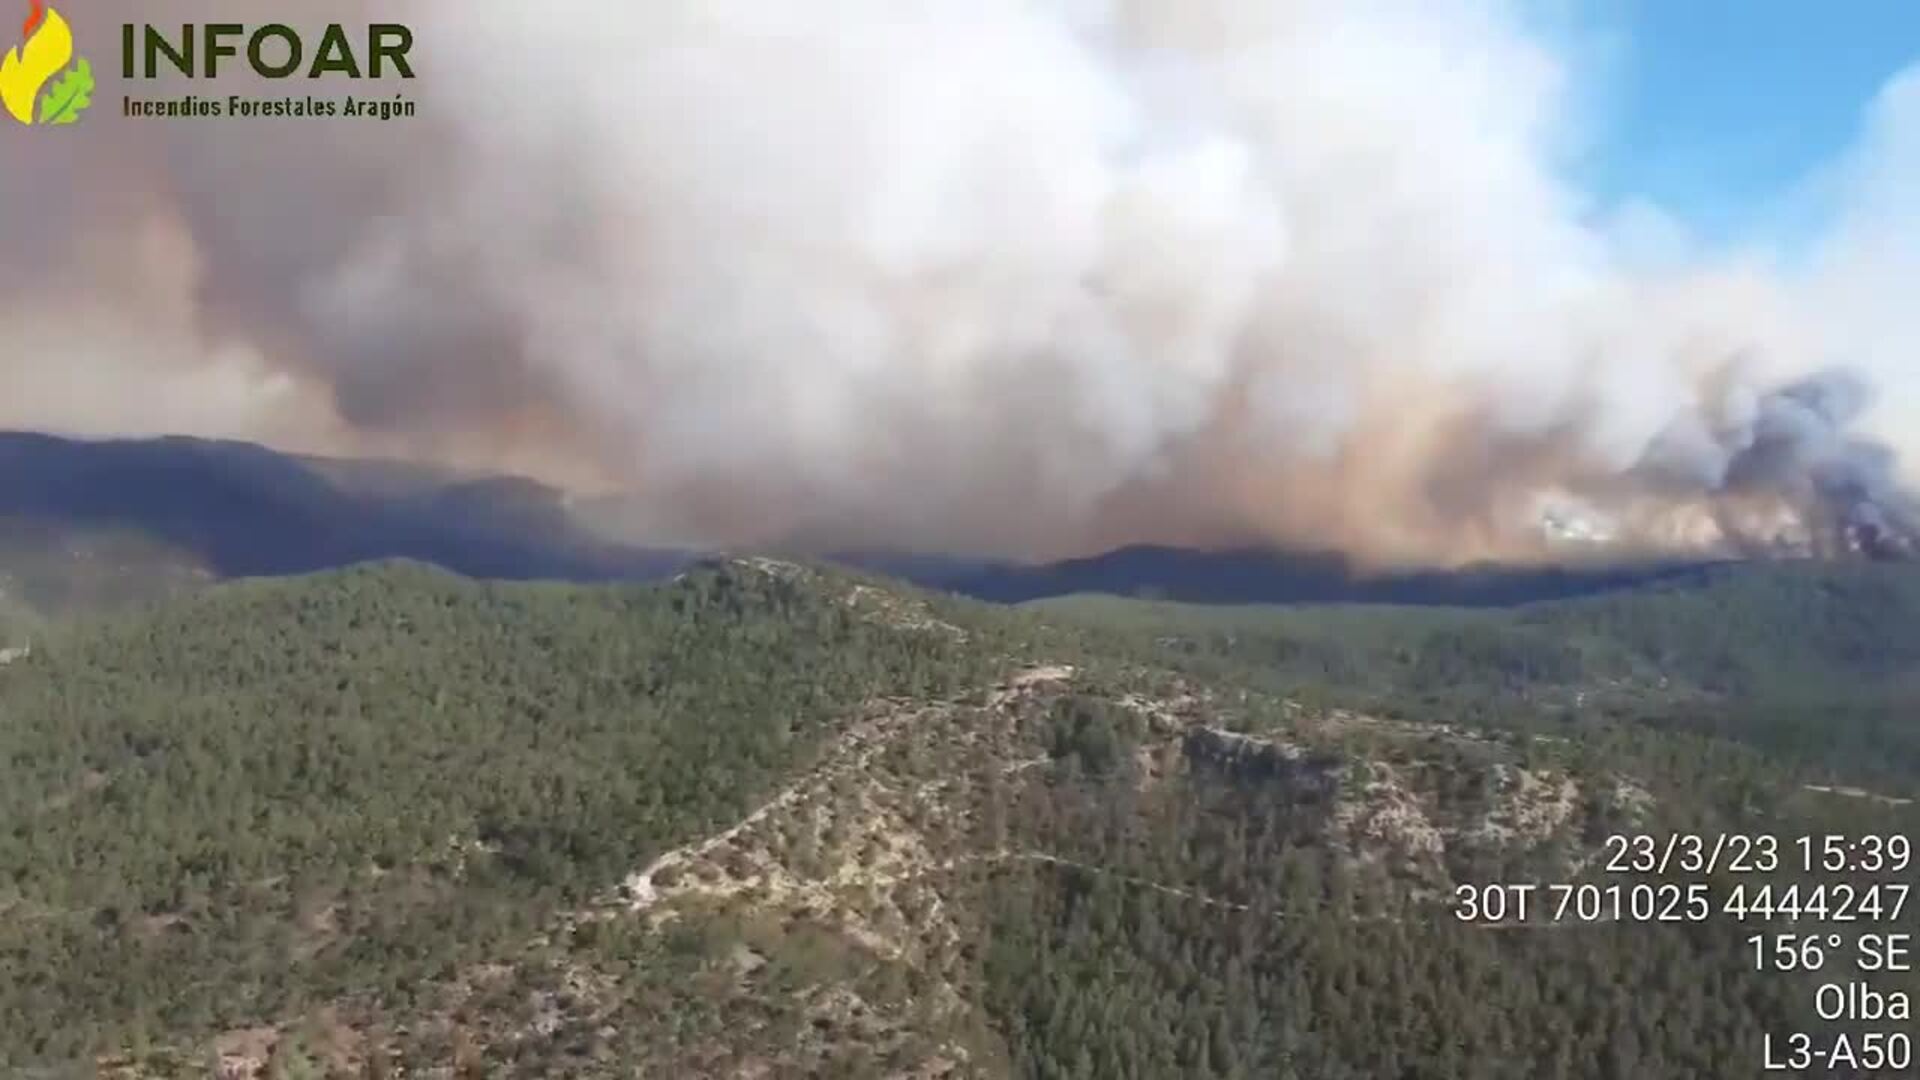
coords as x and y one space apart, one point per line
1014 276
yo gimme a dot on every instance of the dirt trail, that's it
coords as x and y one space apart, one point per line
1858 793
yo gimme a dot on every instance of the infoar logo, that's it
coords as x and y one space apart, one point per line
45 50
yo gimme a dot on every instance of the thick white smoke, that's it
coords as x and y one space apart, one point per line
1010 275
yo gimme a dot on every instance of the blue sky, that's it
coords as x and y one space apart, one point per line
1723 111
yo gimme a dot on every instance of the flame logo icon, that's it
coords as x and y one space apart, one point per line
46 47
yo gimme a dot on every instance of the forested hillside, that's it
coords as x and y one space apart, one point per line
775 820
1820 660
283 791
52 571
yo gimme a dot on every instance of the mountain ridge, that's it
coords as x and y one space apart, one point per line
242 510
223 509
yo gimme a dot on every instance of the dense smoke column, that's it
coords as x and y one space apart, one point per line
1196 271
1799 445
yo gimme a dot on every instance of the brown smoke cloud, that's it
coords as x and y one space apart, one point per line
1018 276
